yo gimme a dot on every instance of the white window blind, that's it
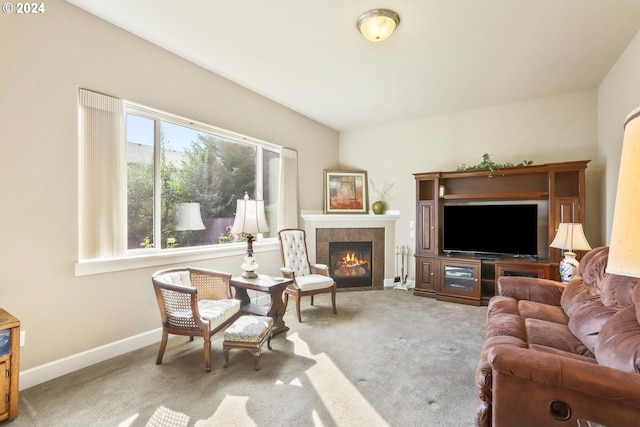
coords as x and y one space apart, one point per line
288 203
102 177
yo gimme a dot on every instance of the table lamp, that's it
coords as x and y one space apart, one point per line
570 237
250 219
624 247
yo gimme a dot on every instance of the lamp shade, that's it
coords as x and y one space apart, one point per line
624 247
250 217
570 237
188 217
378 24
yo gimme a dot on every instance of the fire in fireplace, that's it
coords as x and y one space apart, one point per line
351 263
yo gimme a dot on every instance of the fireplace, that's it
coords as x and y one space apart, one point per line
378 229
350 263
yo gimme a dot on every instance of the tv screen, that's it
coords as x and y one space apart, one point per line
510 229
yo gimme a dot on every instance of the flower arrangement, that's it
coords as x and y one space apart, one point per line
382 194
229 237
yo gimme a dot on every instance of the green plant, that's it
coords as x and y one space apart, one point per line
488 164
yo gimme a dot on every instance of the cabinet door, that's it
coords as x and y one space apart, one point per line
425 276
527 270
565 209
426 229
460 278
4 388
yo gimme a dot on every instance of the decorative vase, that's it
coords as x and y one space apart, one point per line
568 266
377 207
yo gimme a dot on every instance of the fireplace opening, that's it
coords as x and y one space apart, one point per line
351 263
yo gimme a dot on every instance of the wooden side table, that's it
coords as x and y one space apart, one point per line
9 365
274 286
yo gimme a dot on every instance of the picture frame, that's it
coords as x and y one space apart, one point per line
346 192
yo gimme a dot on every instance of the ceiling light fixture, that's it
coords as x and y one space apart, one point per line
378 24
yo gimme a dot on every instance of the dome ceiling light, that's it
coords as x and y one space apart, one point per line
378 24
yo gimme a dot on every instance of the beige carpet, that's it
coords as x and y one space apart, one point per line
386 359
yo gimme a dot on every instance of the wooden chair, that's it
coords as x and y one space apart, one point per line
195 303
308 280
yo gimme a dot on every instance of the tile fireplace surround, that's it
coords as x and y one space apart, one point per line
380 229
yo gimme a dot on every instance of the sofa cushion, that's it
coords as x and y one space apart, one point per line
506 325
575 295
616 290
536 310
592 268
587 320
554 335
618 344
526 309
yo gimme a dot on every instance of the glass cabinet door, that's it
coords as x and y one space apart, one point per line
460 278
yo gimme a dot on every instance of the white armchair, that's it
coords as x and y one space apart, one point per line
308 280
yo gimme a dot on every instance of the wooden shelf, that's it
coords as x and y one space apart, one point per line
537 195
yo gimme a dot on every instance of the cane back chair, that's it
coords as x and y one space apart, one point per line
194 302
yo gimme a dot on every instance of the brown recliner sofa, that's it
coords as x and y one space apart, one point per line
556 354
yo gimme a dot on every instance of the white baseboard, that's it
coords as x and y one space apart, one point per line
57 368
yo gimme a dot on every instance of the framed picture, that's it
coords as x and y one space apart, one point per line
345 192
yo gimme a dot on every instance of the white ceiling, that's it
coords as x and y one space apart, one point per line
446 55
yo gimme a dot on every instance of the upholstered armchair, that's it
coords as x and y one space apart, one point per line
308 280
195 303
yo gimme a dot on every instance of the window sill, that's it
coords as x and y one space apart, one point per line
100 266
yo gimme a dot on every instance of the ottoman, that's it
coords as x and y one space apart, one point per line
248 333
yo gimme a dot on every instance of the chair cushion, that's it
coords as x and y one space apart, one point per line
249 329
312 282
176 278
218 311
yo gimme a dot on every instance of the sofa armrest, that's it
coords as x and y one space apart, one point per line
530 380
532 289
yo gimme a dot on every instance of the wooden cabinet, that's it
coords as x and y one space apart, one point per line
9 365
427 210
559 187
459 281
426 276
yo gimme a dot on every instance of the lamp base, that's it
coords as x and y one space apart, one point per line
568 266
249 266
250 275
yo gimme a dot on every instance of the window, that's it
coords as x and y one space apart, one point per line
151 182
183 181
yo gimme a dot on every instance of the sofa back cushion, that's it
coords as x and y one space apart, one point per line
618 344
594 296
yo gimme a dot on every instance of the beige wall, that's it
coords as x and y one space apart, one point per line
618 95
50 55
554 129
47 58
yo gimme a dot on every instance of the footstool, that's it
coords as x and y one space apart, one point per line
248 333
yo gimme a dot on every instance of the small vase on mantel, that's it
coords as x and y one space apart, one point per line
377 207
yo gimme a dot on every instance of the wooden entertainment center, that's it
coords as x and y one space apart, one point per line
470 279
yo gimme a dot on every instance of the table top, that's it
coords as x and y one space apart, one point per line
262 282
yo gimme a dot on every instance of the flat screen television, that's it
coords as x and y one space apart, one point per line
492 229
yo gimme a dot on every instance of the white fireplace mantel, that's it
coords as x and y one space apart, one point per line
317 219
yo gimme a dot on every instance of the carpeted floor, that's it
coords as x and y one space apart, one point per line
386 359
